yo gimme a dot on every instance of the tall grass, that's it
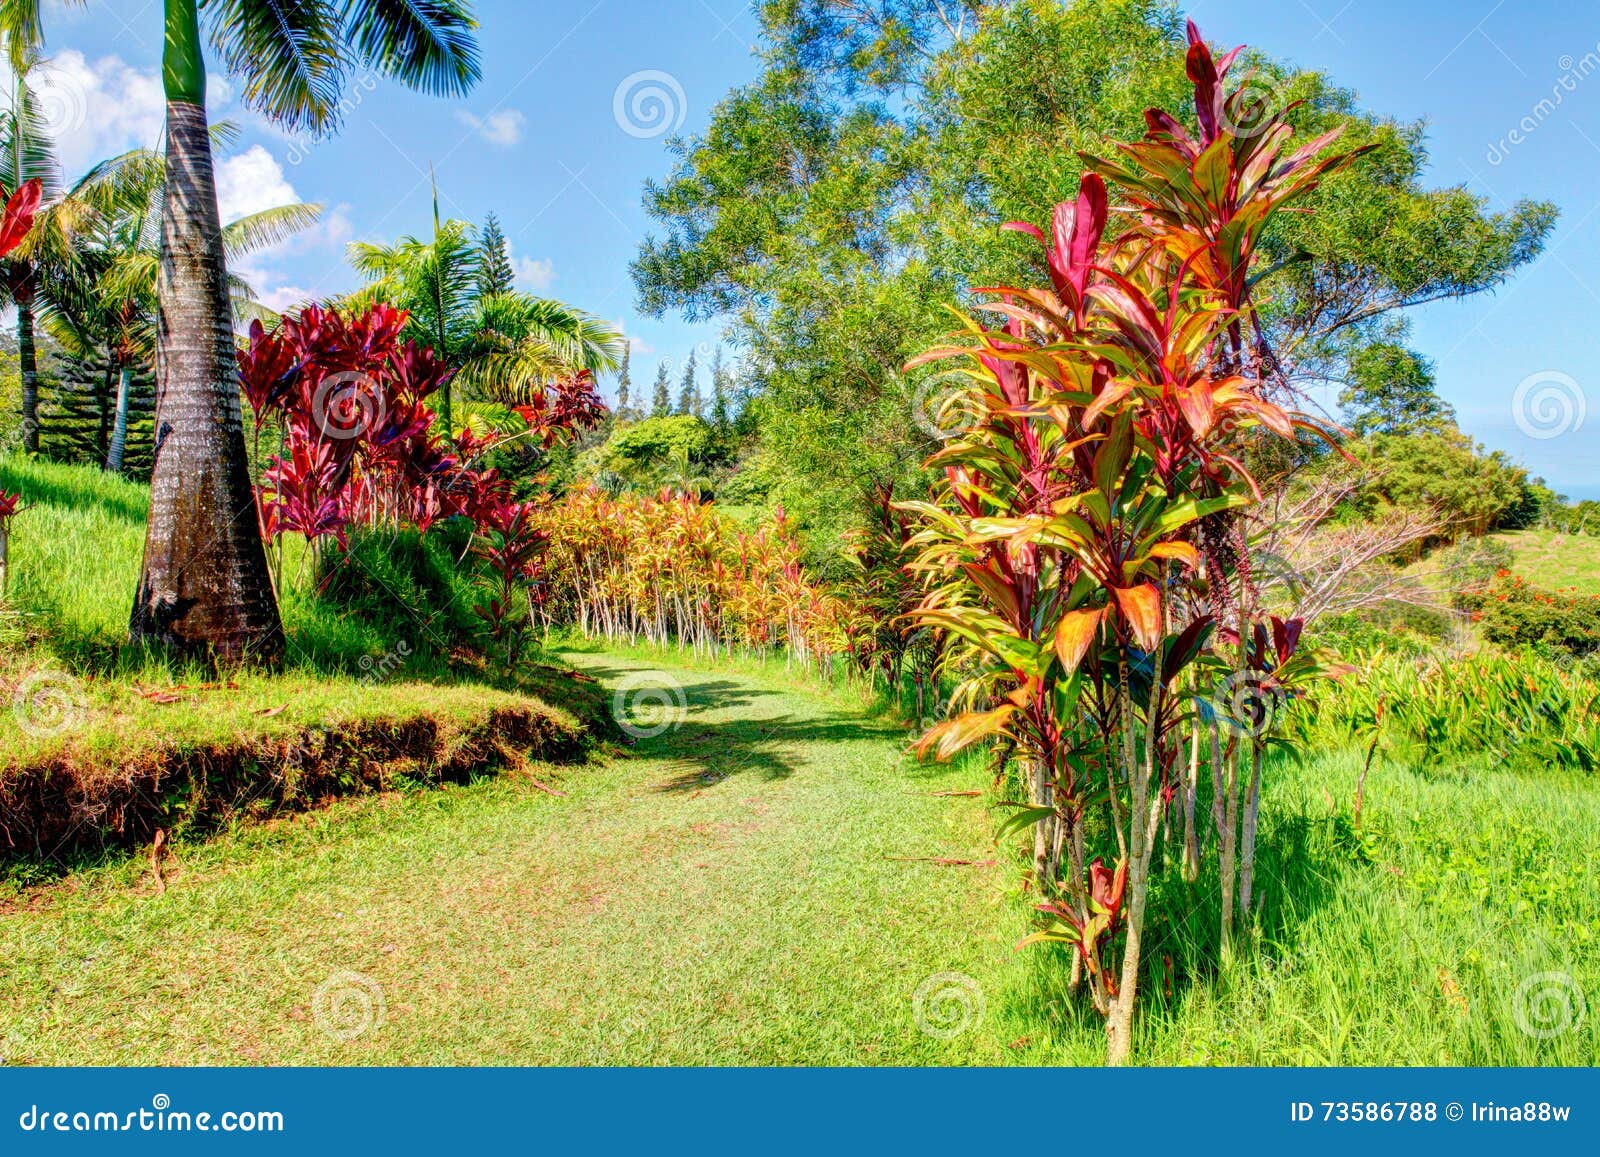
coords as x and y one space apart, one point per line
76 552
1518 708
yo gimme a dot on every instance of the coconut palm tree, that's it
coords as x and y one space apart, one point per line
205 586
505 344
27 153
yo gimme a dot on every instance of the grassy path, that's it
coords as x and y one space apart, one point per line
726 895
755 886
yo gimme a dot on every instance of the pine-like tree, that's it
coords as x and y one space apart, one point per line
719 392
661 403
495 274
689 401
624 384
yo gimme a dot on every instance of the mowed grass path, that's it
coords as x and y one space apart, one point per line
725 895
755 886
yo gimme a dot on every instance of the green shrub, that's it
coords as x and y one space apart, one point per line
1512 613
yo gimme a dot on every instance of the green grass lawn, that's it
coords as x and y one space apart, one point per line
1555 561
756 885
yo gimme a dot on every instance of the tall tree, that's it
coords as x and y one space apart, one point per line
661 400
689 401
495 274
624 384
205 588
27 153
719 392
1391 391
102 300
829 204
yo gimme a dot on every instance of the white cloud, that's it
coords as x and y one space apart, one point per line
284 297
502 128
637 344
534 274
94 110
250 182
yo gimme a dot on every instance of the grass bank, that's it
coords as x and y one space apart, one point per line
102 743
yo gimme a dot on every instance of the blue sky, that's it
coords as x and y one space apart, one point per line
579 95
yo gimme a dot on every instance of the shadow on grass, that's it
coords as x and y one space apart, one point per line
709 753
1303 864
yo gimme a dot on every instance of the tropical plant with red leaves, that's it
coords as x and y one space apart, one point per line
1083 550
358 446
9 508
510 545
21 207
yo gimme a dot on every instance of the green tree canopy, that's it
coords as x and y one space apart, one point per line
1391 391
836 203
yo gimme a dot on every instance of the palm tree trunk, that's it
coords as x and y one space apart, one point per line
205 588
119 429
28 370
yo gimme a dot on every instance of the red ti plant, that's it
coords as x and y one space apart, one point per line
511 546
20 209
8 510
1064 551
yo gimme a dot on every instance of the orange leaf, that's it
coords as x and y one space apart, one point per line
1075 633
1182 551
1141 606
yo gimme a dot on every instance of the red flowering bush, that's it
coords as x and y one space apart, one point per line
1512 613
359 446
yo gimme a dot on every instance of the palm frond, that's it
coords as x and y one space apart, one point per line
288 54
257 231
424 44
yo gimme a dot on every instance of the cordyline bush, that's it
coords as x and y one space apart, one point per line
1086 549
359 447
885 642
667 568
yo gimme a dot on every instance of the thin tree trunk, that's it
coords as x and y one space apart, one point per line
1247 850
28 369
205 587
119 429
